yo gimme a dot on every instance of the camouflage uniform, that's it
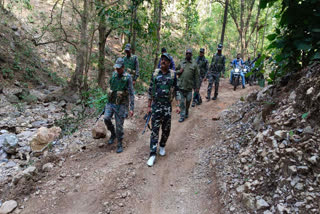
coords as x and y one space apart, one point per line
188 80
131 65
121 89
217 67
203 65
161 91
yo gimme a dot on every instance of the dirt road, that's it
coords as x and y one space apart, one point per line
98 180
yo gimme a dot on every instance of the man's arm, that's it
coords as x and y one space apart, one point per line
172 64
223 65
131 94
197 77
150 95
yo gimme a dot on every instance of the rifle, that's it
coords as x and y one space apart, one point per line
147 119
100 115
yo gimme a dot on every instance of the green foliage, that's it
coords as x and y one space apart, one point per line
305 115
295 40
95 98
7 73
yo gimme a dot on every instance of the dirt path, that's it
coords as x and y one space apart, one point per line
98 180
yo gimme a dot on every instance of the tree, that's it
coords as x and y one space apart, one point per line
225 18
157 21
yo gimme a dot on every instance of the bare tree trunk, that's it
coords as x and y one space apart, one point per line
225 18
264 29
77 77
102 44
87 67
134 31
242 5
158 13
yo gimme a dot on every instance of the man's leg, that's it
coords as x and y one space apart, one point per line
216 85
195 99
188 102
120 115
107 120
182 105
155 123
243 80
165 126
210 84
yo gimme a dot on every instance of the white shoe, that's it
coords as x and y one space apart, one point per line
151 160
162 151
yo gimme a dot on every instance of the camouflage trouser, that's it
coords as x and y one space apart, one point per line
161 116
185 101
213 77
196 95
121 112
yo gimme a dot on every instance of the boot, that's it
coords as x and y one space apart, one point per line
112 138
215 97
119 146
200 100
111 129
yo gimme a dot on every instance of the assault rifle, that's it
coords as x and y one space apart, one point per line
147 119
100 115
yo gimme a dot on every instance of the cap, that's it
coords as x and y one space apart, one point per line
163 50
219 47
166 55
119 63
128 47
189 51
202 50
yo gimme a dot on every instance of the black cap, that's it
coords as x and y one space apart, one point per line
189 51
219 47
128 47
166 55
163 50
202 50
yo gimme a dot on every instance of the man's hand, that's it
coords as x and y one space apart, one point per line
133 82
205 79
178 110
181 70
149 110
196 90
131 113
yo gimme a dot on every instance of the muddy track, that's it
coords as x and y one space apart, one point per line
98 180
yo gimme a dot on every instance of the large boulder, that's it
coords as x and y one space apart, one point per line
9 143
99 130
43 137
8 207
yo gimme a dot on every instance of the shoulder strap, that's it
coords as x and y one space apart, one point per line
156 72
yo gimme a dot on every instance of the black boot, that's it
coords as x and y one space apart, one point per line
200 100
119 146
215 97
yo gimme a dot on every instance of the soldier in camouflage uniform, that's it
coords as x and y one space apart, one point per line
203 69
217 67
119 95
131 64
188 73
163 87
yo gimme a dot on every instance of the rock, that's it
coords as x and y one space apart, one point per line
43 137
299 186
292 96
99 130
292 169
308 130
10 143
10 164
14 28
39 123
310 91
303 170
313 159
262 204
280 134
216 117
252 96
264 93
240 189
8 207
47 167
248 201
3 156
39 95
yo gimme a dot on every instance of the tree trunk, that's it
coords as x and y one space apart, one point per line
77 77
242 5
102 44
134 32
264 29
225 18
158 13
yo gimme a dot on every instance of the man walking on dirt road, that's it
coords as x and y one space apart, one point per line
163 87
203 69
217 67
131 64
188 73
120 96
